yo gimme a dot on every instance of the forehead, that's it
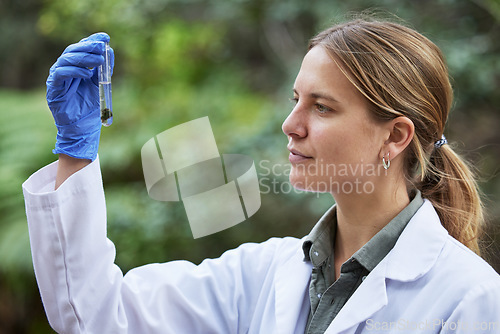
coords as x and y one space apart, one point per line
319 73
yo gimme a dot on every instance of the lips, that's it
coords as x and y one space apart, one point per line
296 156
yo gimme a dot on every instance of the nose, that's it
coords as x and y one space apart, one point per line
295 125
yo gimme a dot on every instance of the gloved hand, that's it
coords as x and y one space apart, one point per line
73 97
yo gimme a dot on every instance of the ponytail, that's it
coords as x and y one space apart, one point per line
451 187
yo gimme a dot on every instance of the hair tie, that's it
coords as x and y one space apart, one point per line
440 142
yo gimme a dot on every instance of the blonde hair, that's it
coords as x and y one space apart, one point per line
402 73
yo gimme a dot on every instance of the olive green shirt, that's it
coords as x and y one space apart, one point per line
328 296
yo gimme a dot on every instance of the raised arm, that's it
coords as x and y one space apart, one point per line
82 290
73 99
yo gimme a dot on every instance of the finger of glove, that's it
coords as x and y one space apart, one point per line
100 36
68 72
95 47
79 59
103 37
60 79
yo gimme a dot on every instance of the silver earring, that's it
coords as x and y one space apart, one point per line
387 163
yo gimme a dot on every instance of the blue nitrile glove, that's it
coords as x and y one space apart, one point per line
73 97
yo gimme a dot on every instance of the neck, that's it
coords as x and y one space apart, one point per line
361 216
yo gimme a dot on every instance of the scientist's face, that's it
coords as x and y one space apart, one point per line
334 141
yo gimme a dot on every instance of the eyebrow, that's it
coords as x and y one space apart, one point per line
320 96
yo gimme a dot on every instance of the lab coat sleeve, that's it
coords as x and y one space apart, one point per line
477 312
83 291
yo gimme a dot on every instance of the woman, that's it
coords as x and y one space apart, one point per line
397 251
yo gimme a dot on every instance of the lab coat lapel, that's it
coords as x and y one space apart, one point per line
370 297
414 254
292 294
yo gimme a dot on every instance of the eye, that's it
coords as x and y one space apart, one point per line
322 109
294 100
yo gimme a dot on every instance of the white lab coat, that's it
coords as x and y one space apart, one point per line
428 283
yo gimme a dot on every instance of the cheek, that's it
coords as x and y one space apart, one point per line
335 145
350 149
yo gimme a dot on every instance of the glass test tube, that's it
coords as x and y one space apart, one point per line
104 73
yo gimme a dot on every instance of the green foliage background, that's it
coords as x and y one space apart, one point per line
233 61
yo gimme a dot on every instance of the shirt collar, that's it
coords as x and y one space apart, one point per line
318 245
379 245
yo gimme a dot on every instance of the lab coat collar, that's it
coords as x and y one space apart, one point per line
418 247
414 254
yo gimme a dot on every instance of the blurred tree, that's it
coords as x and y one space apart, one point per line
25 51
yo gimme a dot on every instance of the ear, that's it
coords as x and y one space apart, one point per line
400 133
